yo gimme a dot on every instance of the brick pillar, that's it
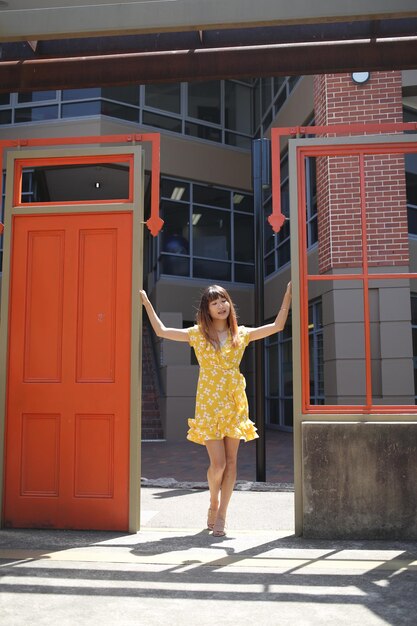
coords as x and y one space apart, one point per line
338 100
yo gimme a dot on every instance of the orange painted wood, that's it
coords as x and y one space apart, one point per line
68 391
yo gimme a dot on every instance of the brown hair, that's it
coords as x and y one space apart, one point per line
205 322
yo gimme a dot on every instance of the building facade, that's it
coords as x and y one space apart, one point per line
208 236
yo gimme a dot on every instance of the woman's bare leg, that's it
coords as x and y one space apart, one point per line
231 447
217 454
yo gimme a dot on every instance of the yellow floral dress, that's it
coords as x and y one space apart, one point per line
221 404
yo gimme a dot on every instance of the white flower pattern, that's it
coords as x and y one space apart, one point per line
228 416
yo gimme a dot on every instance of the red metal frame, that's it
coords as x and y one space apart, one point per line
154 223
364 276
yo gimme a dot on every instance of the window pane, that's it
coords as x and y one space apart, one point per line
274 412
118 110
78 109
4 99
242 202
238 107
211 233
67 183
239 141
165 96
174 265
213 270
414 312
176 231
270 264
128 94
5 117
288 413
204 101
36 96
244 273
175 190
81 94
244 238
211 196
37 114
412 220
203 132
284 253
273 371
411 178
266 94
162 121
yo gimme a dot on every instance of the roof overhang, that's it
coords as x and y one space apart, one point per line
61 44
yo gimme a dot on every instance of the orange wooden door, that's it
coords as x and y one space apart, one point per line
68 389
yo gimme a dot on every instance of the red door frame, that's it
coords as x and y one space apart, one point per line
276 219
154 223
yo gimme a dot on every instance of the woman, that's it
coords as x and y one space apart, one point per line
222 416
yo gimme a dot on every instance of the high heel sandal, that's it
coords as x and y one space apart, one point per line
219 527
211 518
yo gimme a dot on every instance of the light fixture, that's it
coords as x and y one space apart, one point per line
196 218
237 198
177 193
97 184
360 78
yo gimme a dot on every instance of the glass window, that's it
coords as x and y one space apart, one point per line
212 270
94 182
6 117
238 107
244 237
242 202
81 94
266 94
4 99
411 190
128 94
164 96
203 132
120 111
175 236
244 273
212 196
80 109
204 101
208 237
239 141
175 190
162 121
174 240
211 233
36 96
35 114
279 383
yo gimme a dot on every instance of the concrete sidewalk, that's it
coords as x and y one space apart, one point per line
175 572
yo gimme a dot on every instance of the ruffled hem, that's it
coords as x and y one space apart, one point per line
246 430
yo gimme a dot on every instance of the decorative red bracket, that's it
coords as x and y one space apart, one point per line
277 219
154 223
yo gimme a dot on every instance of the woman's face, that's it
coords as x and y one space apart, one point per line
219 309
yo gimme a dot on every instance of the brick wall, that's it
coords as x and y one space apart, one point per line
337 100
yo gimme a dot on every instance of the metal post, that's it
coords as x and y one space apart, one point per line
260 172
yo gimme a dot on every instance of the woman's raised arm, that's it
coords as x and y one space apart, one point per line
269 329
175 334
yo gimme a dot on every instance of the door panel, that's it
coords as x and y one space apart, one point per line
68 392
